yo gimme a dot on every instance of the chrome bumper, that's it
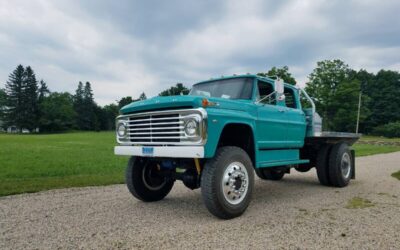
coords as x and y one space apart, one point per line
161 151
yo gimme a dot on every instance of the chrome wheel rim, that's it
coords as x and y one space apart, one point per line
235 183
345 165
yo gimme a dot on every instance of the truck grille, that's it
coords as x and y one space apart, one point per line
161 128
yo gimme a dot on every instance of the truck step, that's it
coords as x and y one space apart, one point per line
278 157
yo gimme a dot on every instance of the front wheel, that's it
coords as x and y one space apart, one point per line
144 180
227 182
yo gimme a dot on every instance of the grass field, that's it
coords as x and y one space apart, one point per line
31 163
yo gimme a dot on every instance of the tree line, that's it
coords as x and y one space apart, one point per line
26 103
335 88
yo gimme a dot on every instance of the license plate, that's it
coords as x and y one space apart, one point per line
148 150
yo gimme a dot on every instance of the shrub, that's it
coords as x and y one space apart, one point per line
388 130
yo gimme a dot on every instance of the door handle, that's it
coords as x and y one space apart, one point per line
281 110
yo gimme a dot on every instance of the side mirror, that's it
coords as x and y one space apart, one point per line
279 88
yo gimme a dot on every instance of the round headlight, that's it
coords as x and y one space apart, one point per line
191 127
121 130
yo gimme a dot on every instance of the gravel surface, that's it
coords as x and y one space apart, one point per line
295 213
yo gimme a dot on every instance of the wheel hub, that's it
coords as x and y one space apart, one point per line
151 178
234 183
345 165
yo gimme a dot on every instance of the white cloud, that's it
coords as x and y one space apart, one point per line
69 41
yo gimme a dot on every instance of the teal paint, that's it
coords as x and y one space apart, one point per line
273 126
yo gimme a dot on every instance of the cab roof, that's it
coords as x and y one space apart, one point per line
267 79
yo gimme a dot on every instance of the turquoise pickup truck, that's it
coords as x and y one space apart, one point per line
222 133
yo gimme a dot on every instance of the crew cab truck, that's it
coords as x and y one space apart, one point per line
222 133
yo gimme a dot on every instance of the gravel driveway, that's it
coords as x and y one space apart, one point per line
293 213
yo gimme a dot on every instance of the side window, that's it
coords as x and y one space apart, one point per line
290 98
265 93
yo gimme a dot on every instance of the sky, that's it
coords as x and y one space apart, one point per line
127 47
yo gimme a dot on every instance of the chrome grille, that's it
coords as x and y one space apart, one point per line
163 127
156 128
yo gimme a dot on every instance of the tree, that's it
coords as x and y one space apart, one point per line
110 113
3 105
323 85
89 108
58 112
30 99
125 101
43 90
142 96
282 73
346 105
384 93
79 107
175 90
14 90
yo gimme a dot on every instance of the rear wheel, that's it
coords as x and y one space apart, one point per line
340 165
322 165
227 182
144 180
270 174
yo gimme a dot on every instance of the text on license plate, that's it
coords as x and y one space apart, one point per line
147 150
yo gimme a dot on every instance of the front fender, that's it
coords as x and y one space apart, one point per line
218 119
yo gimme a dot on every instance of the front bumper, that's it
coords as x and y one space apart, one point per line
161 151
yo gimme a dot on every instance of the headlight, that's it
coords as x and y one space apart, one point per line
191 127
121 130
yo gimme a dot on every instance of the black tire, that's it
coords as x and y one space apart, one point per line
212 181
303 168
340 165
143 181
322 165
270 174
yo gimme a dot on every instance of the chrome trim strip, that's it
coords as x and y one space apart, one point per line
158 123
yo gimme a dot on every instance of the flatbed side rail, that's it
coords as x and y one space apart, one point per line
327 137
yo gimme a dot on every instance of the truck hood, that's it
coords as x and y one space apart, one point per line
186 101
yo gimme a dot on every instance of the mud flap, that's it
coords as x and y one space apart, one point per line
353 164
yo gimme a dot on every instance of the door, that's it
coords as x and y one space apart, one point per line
296 120
271 122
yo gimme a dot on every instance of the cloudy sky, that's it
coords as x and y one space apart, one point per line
126 47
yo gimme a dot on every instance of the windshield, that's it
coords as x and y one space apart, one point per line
234 88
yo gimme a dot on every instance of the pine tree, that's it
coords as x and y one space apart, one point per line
14 91
79 107
3 105
43 90
90 108
30 100
142 96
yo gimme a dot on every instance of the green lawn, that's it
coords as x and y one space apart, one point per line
396 175
367 149
30 163
379 138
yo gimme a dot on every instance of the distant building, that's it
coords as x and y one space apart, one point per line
13 129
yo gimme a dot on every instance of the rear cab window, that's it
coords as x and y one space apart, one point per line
290 98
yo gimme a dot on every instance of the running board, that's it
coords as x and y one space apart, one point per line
280 163
278 157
